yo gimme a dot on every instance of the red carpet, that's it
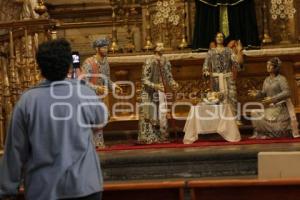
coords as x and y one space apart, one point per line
199 143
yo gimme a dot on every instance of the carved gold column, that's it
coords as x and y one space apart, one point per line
12 70
36 73
20 62
7 103
266 36
148 45
297 86
28 58
19 87
183 44
1 107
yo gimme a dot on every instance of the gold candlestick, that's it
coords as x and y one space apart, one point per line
183 43
266 36
149 45
130 47
114 45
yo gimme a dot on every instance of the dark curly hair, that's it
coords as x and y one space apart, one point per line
54 58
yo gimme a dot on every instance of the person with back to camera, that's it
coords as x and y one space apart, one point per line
49 141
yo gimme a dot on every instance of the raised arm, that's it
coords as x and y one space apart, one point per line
237 49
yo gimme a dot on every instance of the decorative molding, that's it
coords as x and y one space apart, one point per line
18 2
27 23
92 24
78 13
89 10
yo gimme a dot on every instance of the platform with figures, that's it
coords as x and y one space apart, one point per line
210 156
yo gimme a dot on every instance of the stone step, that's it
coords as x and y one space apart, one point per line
202 162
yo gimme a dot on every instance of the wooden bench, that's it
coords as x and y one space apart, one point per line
142 190
154 190
251 189
239 189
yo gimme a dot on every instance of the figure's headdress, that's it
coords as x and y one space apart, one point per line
101 42
159 47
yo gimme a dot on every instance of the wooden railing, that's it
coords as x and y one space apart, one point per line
249 189
235 189
150 190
